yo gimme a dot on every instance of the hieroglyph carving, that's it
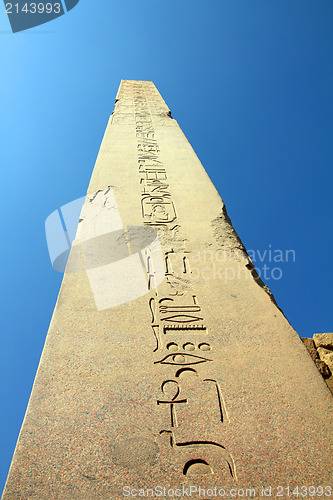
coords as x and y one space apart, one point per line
177 320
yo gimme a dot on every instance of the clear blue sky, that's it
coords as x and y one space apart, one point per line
251 85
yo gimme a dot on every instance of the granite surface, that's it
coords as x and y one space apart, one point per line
186 377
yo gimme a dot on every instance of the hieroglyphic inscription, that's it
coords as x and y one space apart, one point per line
156 203
177 319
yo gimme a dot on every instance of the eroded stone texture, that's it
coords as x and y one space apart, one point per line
326 355
323 340
322 357
323 368
196 377
309 344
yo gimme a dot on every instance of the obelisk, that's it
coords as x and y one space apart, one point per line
168 369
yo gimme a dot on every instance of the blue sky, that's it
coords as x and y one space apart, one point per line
251 85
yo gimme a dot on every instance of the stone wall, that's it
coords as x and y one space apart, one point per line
321 351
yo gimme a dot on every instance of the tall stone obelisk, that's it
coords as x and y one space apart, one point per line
167 366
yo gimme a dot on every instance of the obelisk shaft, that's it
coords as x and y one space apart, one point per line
166 364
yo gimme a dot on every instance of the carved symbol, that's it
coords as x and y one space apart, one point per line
156 331
186 265
193 445
169 308
149 147
152 282
152 174
219 397
184 328
158 209
171 390
182 359
154 185
204 346
152 307
161 188
155 275
185 370
182 318
168 269
188 346
172 347
178 284
193 463
149 263
147 156
177 293
175 230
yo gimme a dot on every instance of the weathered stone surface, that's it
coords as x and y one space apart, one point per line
326 355
309 344
323 340
323 368
192 378
329 382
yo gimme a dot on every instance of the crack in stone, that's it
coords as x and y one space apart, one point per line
227 238
95 195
